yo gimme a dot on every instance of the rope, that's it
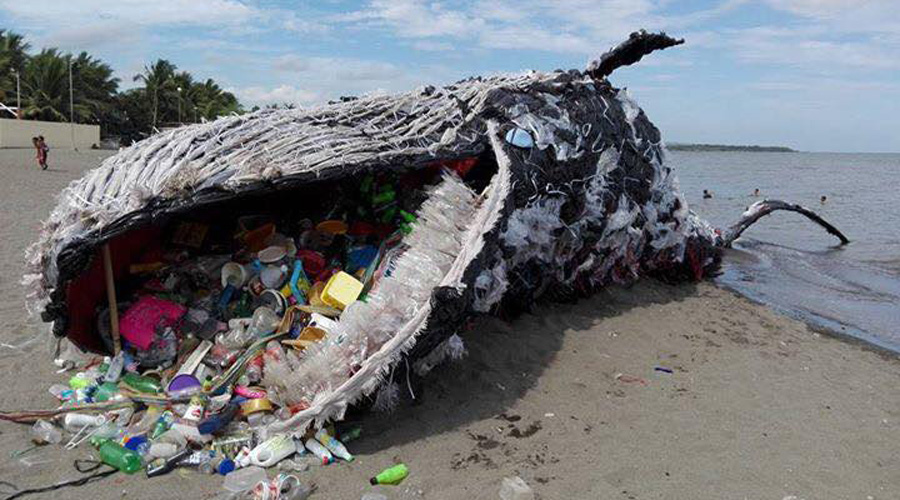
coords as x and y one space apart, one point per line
76 482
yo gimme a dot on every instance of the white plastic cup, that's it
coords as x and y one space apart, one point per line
234 274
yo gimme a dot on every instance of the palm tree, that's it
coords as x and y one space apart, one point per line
13 54
212 101
45 86
158 80
94 87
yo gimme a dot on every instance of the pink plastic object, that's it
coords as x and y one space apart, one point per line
249 393
138 325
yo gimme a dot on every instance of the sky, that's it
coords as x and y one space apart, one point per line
816 75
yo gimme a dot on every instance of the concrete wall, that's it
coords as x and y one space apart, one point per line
18 134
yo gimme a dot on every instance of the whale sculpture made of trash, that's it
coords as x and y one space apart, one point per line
579 195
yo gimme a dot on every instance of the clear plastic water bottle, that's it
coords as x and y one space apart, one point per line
115 368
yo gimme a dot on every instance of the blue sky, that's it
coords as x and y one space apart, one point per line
820 75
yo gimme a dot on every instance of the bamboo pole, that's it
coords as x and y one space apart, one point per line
111 297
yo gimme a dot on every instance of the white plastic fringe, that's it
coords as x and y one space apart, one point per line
453 349
388 397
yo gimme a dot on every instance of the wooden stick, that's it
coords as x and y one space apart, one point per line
111 296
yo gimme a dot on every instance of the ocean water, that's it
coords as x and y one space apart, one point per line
792 264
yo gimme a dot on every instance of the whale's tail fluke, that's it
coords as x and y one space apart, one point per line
762 208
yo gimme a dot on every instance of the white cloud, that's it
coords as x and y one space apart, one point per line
281 94
812 47
566 26
847 15
413 18
335 68
431 46
89 36
139 12
326 78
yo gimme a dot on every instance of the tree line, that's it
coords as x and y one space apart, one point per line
165 95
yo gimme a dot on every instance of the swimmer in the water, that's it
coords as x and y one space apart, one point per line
707 194
756 192
823 199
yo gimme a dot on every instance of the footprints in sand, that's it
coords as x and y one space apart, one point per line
494 451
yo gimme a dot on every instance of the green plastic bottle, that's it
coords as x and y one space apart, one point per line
391 476
141 384
116 455
106 391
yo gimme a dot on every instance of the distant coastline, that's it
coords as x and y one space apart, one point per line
677 146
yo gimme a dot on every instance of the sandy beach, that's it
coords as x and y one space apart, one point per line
758 406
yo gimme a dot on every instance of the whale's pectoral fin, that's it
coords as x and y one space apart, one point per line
762 208
639 44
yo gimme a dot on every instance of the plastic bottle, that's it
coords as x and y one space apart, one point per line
109 430
74 422
138 444
114 454
243 479
254 369
217 464
198 458
107 391
115 368
162 424
318 450
44 432
160 467
273 450
141 384
264 322
391 476
334 446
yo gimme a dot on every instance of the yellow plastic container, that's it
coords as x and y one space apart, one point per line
341 290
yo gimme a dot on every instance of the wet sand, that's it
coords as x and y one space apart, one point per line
758 406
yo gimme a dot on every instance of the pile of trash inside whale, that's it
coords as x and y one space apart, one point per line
207 318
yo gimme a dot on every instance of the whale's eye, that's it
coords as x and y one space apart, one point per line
520 138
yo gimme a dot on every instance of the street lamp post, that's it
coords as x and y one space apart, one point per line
18 94
179 105
72 106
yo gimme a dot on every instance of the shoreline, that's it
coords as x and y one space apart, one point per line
758 405
862 340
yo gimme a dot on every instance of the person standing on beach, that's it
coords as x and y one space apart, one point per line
45 149
41 154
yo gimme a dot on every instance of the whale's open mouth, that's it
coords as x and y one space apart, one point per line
455 204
